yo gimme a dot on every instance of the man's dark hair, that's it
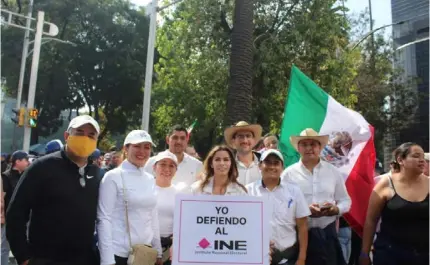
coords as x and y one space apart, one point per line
178 128
113 149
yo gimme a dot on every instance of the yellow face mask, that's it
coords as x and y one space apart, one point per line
81 146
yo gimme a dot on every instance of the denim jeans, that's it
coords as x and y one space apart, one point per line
344 236
5 249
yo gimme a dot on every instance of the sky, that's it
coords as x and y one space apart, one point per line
381 9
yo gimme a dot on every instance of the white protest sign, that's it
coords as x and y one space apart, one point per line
214 230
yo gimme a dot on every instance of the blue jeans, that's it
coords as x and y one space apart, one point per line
344 236
5 249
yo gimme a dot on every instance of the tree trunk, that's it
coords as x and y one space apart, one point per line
239 97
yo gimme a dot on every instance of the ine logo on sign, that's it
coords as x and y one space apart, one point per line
238 245
204 243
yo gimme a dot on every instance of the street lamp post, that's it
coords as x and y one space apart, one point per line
149 65
150 60
373 31
33 75
53 31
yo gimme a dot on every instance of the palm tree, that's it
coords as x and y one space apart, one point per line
239 97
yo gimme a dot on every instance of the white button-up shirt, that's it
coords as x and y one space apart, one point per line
141 195
287 204
187 173
232 188
324 184
249 174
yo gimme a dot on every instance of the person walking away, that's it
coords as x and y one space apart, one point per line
53 146
402 201
324 189
10 179
243 137
96 159
127 213
12 176
189 168
290 210
4 162
60 190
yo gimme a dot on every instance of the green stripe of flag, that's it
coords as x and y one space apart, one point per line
305 107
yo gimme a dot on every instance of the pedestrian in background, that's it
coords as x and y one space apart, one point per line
4 244
53 146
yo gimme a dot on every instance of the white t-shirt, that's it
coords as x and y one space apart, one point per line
166 209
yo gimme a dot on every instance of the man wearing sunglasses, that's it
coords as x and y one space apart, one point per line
60 190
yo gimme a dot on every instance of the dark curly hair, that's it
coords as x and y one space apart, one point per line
208 171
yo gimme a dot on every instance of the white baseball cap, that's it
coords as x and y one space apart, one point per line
138 136
271 152
166 154
78 121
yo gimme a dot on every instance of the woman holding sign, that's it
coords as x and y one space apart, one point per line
219 175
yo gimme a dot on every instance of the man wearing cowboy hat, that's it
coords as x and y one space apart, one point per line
325 192
243 137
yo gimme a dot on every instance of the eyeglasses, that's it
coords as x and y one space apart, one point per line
82 178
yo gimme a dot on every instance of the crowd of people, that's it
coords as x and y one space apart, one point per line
76 205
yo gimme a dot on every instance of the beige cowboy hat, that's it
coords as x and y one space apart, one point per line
256 129
310 134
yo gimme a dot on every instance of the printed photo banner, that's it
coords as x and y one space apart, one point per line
214 230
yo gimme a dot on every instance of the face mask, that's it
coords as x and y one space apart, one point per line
81 146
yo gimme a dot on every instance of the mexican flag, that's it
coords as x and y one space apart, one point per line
190 129
350 148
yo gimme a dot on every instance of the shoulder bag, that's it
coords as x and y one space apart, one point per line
139 254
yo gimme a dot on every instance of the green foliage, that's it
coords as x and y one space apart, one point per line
104 71
194 45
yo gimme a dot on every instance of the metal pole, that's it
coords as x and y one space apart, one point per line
23 62
375 30
33 75
24 54
149 66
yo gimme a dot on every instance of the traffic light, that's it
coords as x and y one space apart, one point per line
32 117
19 118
